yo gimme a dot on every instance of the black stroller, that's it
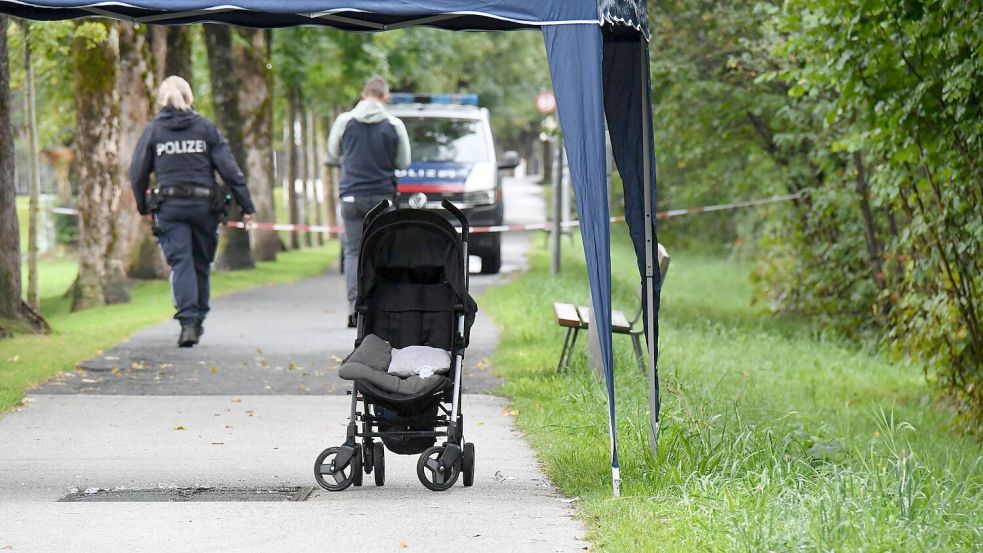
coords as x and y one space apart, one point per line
412 291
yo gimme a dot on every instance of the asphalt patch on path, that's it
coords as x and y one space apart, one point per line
196 494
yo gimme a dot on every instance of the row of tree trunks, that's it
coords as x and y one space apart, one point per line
309 186
255 73
101 277
234 252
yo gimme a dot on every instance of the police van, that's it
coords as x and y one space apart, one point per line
454 158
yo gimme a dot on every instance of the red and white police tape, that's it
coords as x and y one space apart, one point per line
338 229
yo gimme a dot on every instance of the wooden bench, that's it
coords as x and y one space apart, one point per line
577 318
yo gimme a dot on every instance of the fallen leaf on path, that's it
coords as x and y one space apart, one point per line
229 427
137 365
293 366
166 366
403 544
214 370
115 371
499 477
259 351
235 400
481 423
180 427
509 412
7 547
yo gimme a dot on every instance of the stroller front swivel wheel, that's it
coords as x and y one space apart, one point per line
336 467
433 473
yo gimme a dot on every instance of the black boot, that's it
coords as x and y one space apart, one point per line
189 336
199 329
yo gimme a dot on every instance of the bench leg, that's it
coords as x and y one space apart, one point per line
636 341
576 332
567 348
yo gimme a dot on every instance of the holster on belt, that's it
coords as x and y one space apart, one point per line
221 202
154 198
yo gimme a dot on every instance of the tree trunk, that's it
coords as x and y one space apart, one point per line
10 279
305 159
233 251
330 182
317 181
101 279
137 84
256 104
294 167
870 229
157 39
178 59
33 298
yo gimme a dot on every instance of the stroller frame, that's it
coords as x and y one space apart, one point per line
439 466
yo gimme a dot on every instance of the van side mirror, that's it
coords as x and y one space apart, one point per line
509 160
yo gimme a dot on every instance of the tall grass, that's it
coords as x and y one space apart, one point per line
774 438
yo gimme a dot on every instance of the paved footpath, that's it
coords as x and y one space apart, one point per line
241 418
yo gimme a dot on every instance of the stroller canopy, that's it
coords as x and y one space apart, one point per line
598 59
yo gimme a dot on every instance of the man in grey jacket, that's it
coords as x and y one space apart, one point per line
371 144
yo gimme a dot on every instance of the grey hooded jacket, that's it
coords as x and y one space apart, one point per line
371 144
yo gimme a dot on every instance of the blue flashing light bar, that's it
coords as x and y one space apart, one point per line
444 99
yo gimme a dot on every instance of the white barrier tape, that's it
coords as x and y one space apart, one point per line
338 229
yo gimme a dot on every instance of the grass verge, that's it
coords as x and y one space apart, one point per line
773 438
30 359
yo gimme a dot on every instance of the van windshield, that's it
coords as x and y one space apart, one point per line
447 140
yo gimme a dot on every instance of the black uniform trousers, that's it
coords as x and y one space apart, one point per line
189 237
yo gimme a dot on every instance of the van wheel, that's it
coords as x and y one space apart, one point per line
491 263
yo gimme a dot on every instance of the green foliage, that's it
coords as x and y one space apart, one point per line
53 73
506 70
772 439
870 111
904 81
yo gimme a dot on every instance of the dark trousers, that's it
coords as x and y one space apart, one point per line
189 238
353 212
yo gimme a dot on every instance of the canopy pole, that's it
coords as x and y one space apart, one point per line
653 373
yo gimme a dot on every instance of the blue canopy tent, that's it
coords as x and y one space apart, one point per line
598 58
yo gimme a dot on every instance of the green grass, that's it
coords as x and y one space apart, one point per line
773 439
30 359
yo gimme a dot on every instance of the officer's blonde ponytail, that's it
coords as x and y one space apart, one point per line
175 92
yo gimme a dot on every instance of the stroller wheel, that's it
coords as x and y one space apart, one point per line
357 466
379 461
432 474
367 451
335 468
467 464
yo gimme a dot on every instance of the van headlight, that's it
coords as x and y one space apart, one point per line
479 197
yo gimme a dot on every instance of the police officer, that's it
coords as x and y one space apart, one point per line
184 150
371 144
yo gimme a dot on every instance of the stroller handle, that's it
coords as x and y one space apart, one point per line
375 212
446 204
